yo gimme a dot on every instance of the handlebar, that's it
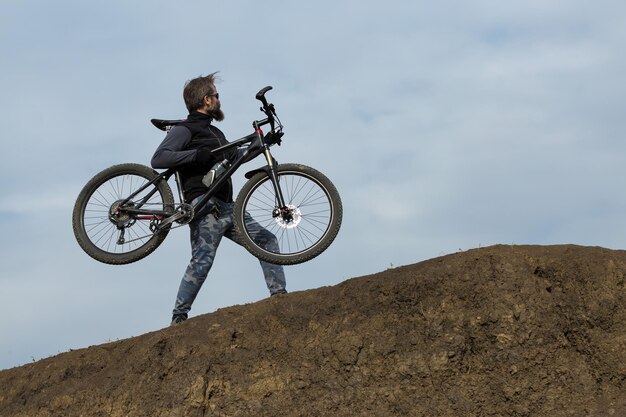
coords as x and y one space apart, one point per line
267 108
261 94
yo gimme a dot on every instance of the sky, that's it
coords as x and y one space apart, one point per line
445 126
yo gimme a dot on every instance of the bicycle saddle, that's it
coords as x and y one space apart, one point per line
165 124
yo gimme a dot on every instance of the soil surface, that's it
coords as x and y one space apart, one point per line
497 331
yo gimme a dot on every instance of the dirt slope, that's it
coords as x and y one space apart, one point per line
498 331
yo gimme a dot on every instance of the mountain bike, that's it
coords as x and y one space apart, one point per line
126 211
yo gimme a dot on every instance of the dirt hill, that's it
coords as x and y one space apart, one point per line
498 331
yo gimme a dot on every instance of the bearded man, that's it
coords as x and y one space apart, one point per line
187 147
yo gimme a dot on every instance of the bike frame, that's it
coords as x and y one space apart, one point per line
258 144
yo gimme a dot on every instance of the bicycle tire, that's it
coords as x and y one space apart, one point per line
97 197
298 240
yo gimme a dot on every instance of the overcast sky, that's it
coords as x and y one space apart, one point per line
445 125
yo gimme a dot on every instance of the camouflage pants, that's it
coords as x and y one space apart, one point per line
206 235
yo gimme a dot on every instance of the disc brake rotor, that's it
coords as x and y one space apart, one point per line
296 217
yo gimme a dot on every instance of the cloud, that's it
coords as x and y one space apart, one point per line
26 203
444 126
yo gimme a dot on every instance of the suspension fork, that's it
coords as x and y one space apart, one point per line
272 168
274 177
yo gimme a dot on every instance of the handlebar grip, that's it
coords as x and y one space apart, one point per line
261 94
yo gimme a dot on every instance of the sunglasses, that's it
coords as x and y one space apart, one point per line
216 95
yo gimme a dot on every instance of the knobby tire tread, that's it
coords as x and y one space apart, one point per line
308 254
90 188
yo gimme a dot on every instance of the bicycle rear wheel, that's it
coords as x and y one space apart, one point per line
112 236
303 229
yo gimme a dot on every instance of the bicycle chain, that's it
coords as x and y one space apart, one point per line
183 215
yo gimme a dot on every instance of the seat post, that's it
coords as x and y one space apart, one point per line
179 185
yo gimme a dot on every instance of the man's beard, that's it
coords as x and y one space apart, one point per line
216 114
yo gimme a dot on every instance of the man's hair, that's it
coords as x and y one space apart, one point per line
196 89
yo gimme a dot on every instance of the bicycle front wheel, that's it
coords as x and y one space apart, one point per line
298 232
102 228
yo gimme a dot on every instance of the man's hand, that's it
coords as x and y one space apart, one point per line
204 156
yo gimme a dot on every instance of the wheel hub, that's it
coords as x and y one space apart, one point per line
290 218
119 218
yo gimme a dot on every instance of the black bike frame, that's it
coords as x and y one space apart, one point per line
258 145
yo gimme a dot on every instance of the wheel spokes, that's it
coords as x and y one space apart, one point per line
310 209
104 230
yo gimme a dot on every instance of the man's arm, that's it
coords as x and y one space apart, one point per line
171 152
